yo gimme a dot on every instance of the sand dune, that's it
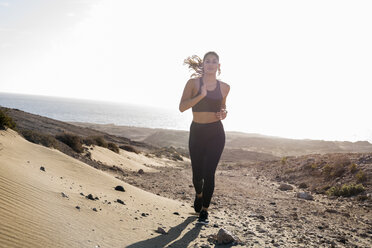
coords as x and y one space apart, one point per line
127 160
33 212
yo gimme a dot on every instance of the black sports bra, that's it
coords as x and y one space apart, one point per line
211 102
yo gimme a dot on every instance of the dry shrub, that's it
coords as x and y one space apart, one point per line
113 147
361 177
72 141
353 168
38 138
129 148
100 141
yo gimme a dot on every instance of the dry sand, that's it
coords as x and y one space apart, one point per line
127 160
33 212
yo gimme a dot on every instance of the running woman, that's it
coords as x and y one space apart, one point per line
207 97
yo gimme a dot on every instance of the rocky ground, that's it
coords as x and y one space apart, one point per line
253 208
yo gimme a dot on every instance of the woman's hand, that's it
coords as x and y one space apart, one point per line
222 114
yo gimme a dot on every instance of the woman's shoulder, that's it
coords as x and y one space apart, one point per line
225 86
194 81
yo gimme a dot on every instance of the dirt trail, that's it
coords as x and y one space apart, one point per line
260 215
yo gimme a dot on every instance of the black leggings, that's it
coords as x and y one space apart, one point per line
206 143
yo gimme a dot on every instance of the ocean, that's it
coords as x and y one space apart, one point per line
78 110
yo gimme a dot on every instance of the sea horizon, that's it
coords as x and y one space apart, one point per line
106 112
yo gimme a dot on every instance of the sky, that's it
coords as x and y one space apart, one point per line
297 69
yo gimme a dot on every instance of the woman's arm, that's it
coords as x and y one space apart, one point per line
187 101
223 112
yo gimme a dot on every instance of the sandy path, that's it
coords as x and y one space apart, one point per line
33 212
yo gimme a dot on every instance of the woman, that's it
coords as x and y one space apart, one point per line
207 97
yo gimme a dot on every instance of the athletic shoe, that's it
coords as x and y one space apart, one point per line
198 202
203 217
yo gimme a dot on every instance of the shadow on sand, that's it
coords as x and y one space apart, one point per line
173 234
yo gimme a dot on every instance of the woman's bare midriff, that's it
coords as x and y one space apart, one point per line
204 117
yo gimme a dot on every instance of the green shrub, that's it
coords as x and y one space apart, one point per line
72 141
284 160
113 147
314 166
6 121
361 177
327 170
129 148
353 168
38 138
346 190
332 171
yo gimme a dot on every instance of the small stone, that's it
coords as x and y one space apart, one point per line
161 230
305 195
140 171
302 186
285 187
77 207
225 237
176 213
94 209
120 188
42 168
329 210
120 201
90 197
64 195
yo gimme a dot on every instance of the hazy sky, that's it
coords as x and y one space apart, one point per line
297 69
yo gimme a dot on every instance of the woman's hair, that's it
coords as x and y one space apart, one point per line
195 63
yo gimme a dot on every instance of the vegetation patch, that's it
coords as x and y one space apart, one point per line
360 177
333 170
346 190
129 148
113 147
72 141
100 141
38 138
6 121
353 168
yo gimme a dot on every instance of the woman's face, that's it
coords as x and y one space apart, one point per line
211 64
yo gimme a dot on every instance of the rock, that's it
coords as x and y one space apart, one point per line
333 211
285 187
42 168
120 188
225 237
305 195
90 197
161 230
176 213
77 207
120 201
94 209
140 171
260 229
302 186
258 216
